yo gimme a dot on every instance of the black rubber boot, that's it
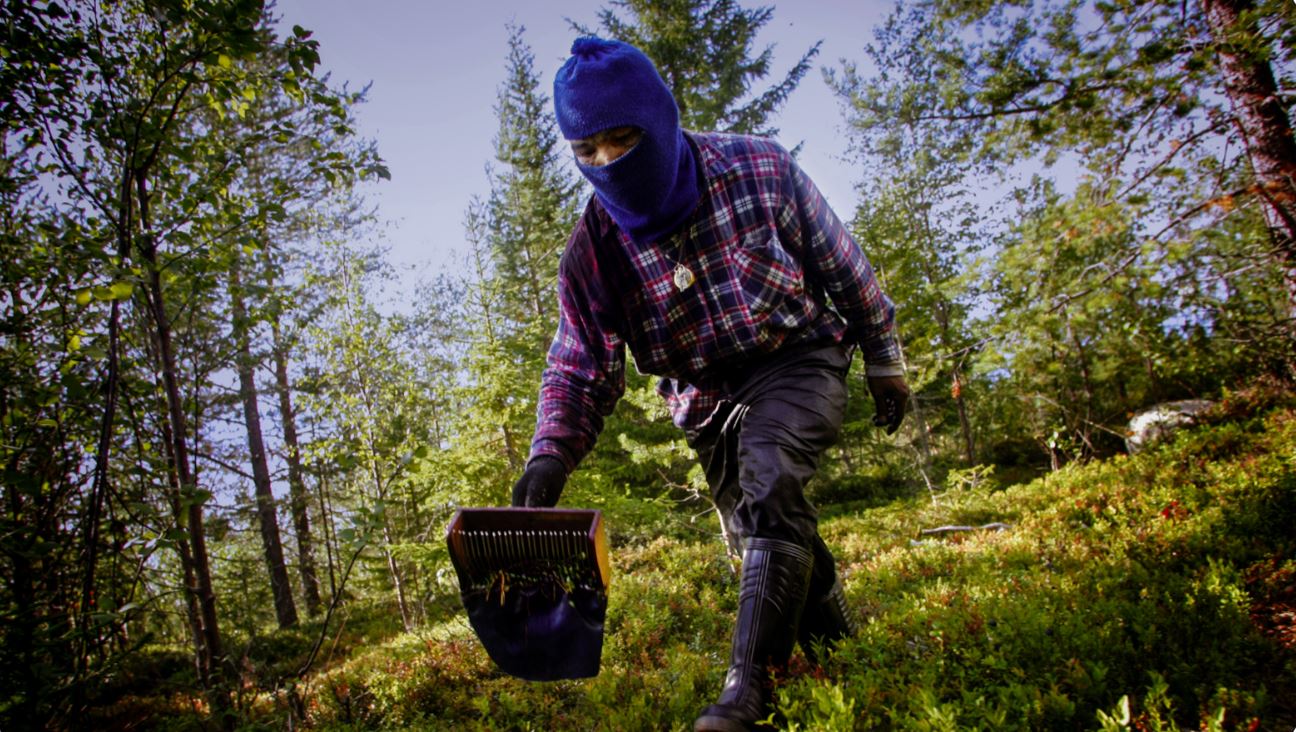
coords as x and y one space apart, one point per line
775 575
824 621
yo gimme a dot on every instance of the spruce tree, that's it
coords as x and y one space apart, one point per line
517 235
705 50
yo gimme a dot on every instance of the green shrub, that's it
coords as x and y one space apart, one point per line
1140 593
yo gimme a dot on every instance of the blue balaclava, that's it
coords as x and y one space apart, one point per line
651 189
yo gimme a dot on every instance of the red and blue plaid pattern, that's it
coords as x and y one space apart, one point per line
772 267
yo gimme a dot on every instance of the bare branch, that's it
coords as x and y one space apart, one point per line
995 526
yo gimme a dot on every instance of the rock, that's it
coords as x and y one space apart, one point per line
1162 420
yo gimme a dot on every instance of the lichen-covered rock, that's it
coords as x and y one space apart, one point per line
1162 420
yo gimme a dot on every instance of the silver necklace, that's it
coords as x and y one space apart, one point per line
682 275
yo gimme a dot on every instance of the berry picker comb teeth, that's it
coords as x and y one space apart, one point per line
534 583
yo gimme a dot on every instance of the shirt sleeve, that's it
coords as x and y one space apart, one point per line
585 373
835 262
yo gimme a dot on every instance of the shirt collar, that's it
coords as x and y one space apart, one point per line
714 162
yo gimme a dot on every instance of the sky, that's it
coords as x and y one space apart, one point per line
434 70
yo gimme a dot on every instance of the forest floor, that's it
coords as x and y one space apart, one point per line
1146 592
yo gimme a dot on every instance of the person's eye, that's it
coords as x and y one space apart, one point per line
628 138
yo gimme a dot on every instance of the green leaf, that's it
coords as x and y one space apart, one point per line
115 291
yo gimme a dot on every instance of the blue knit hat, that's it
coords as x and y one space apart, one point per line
651 189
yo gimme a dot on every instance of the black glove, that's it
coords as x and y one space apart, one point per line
891 398
541 483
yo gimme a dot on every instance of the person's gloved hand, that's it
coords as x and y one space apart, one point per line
541 483
891 398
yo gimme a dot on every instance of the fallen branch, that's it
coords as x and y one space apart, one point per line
996 526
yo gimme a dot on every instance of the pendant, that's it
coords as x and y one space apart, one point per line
683 277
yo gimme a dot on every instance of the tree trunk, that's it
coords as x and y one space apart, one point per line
285 608
402 601
296 483
965 424
21 583
921 428
100 486
204 664
330 536
915 408
380 498
956 376
91 639
919 420
1084 428
189 512
1262 119
515 460
393 566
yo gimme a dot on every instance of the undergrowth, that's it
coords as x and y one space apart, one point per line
1153 592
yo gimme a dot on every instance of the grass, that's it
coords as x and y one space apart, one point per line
1153 592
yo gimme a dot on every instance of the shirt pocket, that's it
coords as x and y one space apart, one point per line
768 277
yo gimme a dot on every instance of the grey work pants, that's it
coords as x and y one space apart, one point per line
765 444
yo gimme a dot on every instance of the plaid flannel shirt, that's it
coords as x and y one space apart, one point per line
772 267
